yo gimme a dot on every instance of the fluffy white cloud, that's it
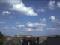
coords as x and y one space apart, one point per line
19 26
6 13
37 26
53 18
32 26
28 29
58 4
57 24
22 8
51 4
10 1
29 24
18 5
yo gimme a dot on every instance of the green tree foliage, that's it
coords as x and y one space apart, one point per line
1 38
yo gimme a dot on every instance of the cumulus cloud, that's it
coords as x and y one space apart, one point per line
6 12
18 5
55 25
32 26
28 29
10 1
19 26
53 18
27 10
29 24
51 4
37 26
58 4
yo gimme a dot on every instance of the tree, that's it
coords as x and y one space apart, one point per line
1 35
1 38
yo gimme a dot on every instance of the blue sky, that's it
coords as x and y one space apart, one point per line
39 17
